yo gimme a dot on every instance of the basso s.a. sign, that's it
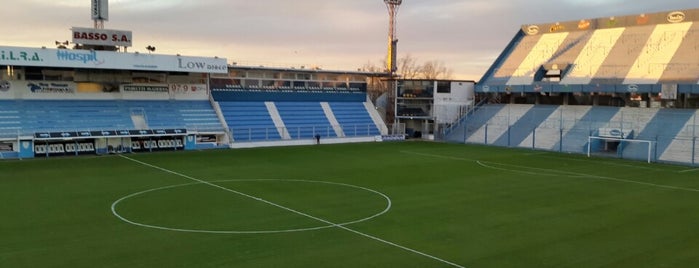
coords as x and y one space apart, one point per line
101 37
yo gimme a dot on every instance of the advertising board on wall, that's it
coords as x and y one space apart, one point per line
672 17
50 87
92 59
101 37
144 88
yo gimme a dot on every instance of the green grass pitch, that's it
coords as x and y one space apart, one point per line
409 204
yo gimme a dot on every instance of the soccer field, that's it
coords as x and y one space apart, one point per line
409 204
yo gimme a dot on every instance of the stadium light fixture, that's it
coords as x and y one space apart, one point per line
62 45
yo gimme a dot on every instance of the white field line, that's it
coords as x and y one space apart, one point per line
114 210
546 154
689 170
573 174
296 212
589 176
554 173
439 156
608 163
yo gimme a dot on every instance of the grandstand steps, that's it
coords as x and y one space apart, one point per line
570 48
376 117
681 150
139 121
277 119
623 54
663 128
498 125
305 119
333 121
541 53
249 120
683 68
522 132
592 55
356 119
474 127
657 53
576 137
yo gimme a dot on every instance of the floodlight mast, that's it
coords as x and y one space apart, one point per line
391 67
100 12
392 6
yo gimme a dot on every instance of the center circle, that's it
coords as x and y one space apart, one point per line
326 223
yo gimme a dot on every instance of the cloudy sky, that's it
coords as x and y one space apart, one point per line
466 35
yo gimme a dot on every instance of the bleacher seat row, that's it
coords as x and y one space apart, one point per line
567 128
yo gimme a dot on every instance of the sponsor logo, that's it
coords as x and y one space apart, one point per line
200 65
676 17
532 30
557 27
66 55
642 19
89 36
584 24
19 56
632 88
395 137
616 132
185 88
49 87
138 88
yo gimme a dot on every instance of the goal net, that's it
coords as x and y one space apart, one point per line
620 148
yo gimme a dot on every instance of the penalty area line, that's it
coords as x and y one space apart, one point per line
688 170
583 175
295 212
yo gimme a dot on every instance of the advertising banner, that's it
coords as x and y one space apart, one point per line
678 16
92 59
40 87
144 88
101 37
187 88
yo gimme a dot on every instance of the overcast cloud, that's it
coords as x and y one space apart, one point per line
467 35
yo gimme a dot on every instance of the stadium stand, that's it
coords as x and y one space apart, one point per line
525 125
10 119
557 84
30 116
249 120
304 120
192 115
255 120
354 119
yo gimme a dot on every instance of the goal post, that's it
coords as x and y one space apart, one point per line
624 148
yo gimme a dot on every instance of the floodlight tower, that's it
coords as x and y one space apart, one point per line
392 6
391 68
100 12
